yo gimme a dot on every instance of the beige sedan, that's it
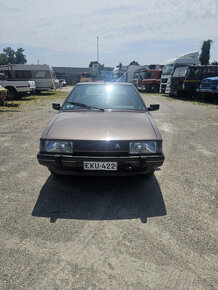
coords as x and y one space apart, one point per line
102 128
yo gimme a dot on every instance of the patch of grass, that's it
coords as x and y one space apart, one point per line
195 101
149 93
34 101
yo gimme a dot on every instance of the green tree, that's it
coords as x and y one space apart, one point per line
92 62
3 59
101 66
214 62
134 63
205 52
10 54
20 57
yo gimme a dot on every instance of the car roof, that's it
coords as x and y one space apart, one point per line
211 78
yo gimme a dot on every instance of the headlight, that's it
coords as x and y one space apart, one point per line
58 146
145 147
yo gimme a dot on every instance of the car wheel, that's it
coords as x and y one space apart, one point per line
12 94
20 95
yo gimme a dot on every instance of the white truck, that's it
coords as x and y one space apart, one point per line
42 75
191 58
16 89
124 73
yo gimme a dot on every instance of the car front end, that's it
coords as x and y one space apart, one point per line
117 157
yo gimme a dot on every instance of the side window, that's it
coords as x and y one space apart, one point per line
152 74
204 72
212 71
176 72
41 74
23 74
7 74
2 77
195 73
147 75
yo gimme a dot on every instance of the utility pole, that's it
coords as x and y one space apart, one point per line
97 51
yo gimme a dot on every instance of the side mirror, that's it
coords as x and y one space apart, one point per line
56 106
154 107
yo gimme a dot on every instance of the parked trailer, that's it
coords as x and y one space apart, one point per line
42 75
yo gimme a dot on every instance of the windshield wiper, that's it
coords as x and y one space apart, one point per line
85 106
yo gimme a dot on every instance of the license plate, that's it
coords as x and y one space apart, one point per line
109 166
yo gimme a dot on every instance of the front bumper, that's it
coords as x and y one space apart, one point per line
207 91
126 165
163 88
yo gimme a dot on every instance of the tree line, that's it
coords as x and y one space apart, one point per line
11 56
204 57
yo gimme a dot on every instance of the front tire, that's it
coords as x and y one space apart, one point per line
12 94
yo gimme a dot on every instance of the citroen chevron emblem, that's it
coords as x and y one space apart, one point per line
117 146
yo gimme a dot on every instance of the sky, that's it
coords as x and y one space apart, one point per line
64 33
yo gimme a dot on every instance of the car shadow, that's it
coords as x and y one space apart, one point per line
100 198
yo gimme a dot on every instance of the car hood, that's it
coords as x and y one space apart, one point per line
101 126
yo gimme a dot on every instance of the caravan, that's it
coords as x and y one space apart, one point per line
42 75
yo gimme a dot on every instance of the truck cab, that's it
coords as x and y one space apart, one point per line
85 77
149 80
135 78
187 79
191 58
119 75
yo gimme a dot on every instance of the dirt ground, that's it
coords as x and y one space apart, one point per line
110 233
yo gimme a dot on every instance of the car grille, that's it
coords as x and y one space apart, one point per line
164 81
101 148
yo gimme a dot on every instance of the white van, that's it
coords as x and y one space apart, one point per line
42 75
191 58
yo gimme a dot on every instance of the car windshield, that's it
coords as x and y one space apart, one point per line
113 97
136 74
215 82
180 71
167 69
118 74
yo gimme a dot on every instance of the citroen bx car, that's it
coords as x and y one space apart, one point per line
102 128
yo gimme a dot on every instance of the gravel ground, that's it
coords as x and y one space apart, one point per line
111 233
